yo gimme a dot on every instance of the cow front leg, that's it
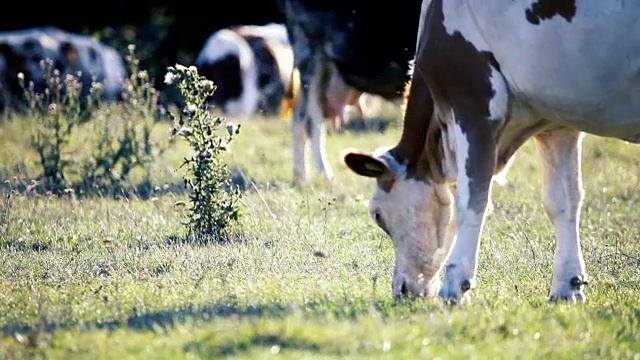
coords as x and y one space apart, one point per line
476 161
562 196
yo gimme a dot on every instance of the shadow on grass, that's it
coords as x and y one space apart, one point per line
23 246
167 319
144 190
372 124
235 346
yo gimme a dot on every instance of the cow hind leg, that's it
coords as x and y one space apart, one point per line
309 119
562 196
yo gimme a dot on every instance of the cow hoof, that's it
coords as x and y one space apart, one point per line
453 290
571 292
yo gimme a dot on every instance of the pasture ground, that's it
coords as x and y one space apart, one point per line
308 276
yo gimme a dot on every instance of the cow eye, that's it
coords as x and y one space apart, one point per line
377 217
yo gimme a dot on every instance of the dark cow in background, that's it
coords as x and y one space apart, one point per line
22 51
252 68
366 45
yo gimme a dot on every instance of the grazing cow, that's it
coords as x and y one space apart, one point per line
251 66
488 76
22 51
366 45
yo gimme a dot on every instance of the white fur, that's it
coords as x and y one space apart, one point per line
562 196
458 18
462 155
114 70
499 101
464 254
271 32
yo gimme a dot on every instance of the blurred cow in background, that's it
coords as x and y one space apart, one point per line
22 52
252 68
95 60
362 45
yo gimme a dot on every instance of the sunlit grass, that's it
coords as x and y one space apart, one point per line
309 275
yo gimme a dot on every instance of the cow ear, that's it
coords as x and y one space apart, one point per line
364 164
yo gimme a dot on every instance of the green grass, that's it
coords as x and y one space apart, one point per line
309 275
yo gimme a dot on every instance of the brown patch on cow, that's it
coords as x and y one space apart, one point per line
270 82
444 65
457 73
420 145
267 64
225 74
418 119
70 53
547 9
459 76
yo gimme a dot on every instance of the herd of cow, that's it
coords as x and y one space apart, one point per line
258 69
477 80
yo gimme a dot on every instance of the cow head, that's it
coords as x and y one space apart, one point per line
415 211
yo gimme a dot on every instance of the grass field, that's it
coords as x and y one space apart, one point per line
309 275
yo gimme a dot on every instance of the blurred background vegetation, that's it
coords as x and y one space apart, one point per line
165 32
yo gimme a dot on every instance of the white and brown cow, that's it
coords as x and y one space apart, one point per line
488 76
251 66
353 45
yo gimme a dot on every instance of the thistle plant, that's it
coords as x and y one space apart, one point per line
124 133
213 197
58 110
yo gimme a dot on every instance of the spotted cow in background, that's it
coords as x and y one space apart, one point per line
252 68
22 51
358 45
489 75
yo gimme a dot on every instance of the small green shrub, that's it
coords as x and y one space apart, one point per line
58 109
124 134
214 199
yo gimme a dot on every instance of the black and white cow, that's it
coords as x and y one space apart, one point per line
367 46
251 66
22 51
489 75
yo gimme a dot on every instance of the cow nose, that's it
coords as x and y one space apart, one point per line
401 287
